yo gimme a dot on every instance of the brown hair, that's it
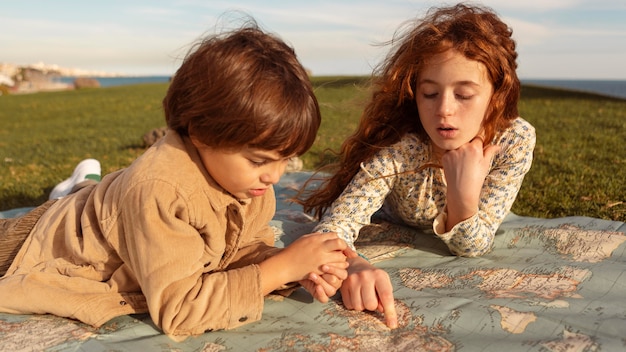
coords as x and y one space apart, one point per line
474 31
244 88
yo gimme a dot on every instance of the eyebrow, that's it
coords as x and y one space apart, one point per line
259 153
461 83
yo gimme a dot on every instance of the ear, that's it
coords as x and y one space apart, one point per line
196 143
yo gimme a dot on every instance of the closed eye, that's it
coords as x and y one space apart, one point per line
257 163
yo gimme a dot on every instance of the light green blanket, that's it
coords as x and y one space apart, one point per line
548 285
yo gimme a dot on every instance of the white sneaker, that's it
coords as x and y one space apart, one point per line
88 169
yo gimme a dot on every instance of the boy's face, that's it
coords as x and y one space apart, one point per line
245 173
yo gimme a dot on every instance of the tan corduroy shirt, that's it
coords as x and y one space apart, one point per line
160 237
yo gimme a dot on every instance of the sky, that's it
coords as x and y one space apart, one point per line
556 39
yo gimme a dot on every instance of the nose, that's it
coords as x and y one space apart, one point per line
446 104
273 173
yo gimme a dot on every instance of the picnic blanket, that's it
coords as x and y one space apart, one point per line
548 285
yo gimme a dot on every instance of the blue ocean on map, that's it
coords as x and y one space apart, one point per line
613 88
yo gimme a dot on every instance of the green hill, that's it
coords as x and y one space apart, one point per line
579 167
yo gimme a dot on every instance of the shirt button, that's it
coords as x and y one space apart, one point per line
242 319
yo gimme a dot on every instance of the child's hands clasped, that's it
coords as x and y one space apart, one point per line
312 252
324 286
310 256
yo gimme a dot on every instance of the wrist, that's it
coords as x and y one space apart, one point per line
275 273
358 263
459 210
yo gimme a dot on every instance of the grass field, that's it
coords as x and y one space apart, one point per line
579 166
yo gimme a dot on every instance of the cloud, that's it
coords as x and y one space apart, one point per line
329 36
528 33
532 6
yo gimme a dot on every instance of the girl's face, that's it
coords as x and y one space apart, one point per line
245 173
453 94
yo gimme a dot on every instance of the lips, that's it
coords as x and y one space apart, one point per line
258 192
447 132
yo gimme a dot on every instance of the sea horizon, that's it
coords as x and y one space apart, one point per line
609 87
612 88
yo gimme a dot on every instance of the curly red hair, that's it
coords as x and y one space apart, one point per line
474 31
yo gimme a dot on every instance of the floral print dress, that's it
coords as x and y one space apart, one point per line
395 185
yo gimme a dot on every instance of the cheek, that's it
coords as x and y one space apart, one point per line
481 115
475 111
426 118
423 111
422 105
243 177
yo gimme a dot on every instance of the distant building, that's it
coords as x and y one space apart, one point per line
41 77
5 80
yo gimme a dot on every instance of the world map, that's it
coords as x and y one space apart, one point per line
549 285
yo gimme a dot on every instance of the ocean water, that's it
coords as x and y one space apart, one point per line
613 88
121 81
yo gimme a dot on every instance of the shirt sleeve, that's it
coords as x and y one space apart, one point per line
364 195
474 236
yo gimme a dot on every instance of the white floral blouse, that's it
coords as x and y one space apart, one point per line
387 182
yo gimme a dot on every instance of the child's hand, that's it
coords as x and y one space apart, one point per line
465 170
311 252
369 288
320 288
467 166
325 286
308 254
